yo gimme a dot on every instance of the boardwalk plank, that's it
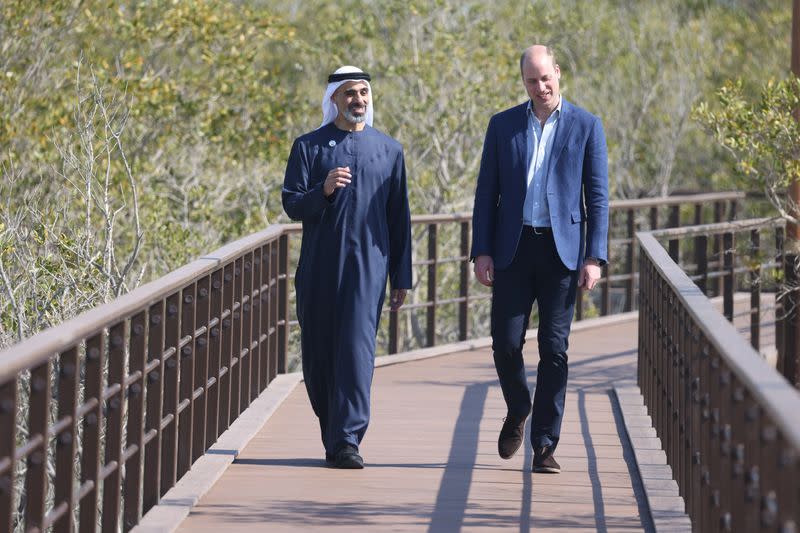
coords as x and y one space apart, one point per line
431 455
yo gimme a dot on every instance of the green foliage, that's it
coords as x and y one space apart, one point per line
142 134
763 135
190 69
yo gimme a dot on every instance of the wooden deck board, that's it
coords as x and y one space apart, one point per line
431 455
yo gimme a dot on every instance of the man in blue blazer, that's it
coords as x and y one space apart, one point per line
540 229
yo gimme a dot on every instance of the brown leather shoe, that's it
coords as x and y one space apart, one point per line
544 462
511 436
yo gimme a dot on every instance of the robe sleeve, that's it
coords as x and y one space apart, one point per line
301 201
399 221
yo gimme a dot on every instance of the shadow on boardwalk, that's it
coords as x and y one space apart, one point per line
431 456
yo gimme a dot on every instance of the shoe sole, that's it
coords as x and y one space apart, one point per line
546 470
347 466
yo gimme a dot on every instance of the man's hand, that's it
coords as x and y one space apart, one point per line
484 269
337 178
396 298
590 274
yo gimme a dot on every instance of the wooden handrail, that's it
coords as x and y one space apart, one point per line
728 421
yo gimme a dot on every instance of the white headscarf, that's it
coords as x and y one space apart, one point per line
329 109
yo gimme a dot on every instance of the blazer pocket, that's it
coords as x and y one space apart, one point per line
576 217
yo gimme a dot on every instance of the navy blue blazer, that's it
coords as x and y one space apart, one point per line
577 187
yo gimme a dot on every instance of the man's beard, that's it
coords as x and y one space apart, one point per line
353 119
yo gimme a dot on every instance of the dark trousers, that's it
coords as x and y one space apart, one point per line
535 274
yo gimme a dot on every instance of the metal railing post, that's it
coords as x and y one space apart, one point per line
134 435
630 284
719 211
169 453
68 382
393 332
246 359
273 325
430 329
728 277
791 322
154 414
8 439
779 303
214 358
239 376
283 305
226 349
755 289
701 251
186 379
674 222
698 219
463 284
261 324
36 474
111 472
201 368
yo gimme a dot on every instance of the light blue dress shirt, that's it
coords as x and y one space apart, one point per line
536 211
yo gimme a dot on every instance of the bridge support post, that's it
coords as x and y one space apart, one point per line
789 362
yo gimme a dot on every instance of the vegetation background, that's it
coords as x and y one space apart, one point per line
135 135
138 135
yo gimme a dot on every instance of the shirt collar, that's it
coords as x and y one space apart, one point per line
556 112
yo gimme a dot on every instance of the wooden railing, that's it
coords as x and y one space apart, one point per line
156 376
629 216
727 420
152 379
751 260
448 305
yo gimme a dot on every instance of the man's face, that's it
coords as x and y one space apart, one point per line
540 77
351 99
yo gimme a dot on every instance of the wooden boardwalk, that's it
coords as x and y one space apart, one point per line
431 456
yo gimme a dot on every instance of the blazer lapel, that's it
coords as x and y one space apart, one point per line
562 132
521 154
